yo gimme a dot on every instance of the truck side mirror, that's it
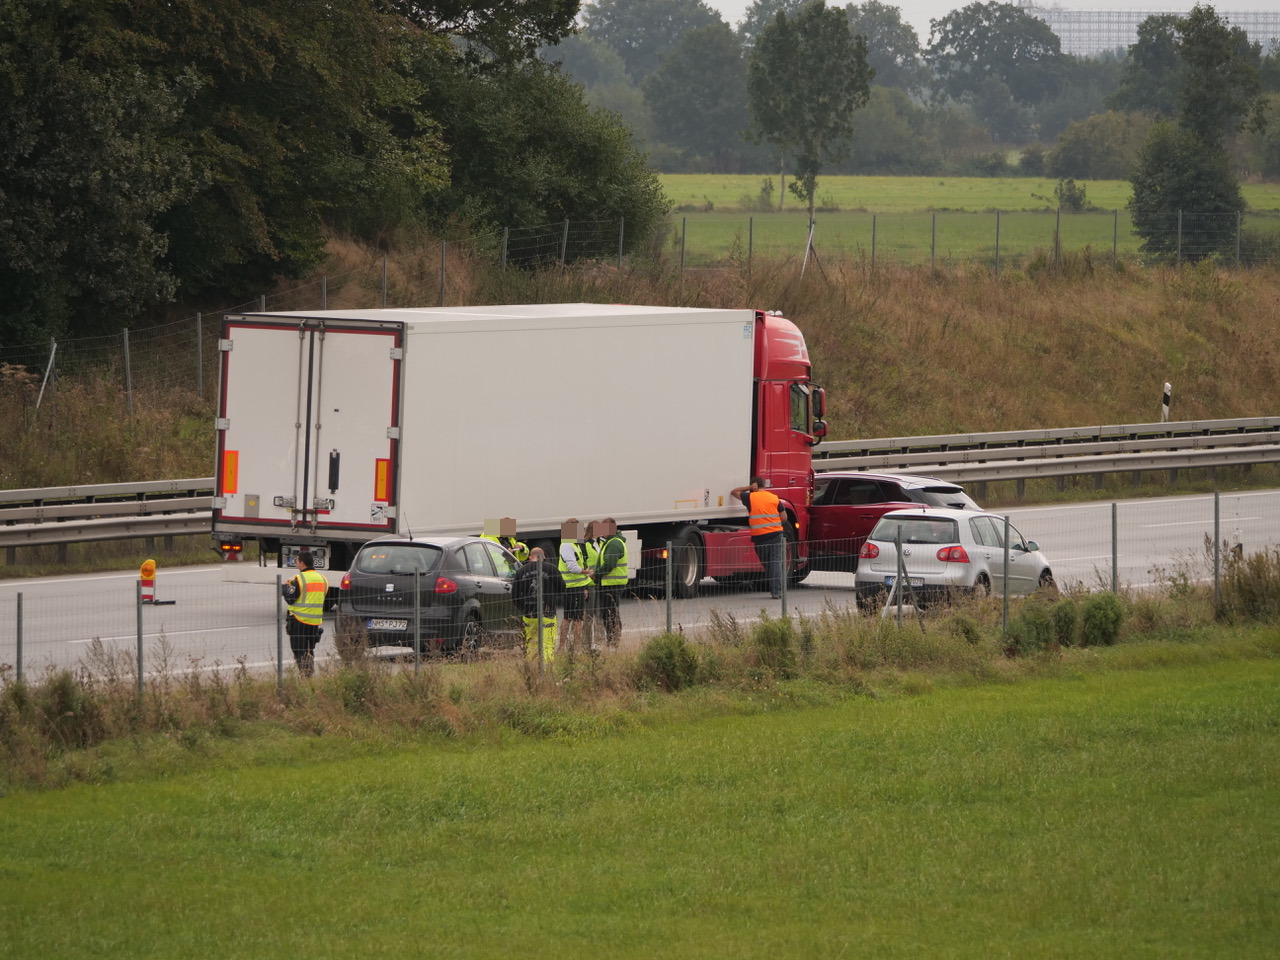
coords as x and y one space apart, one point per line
819 428
819 403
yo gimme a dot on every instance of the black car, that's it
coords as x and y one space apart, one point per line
464 593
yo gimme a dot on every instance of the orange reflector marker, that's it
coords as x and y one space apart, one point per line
382 481
147 574
230 472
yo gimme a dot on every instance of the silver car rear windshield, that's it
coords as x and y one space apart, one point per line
941 496
399 558
916 530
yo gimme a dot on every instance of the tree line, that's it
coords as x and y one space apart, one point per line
161 149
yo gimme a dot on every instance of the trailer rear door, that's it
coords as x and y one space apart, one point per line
308 433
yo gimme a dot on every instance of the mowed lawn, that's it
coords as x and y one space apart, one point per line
1120 814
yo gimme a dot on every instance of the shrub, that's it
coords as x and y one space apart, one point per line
1071 196
773 644
1065 615
668 663
1101 619
1030 631
1251 587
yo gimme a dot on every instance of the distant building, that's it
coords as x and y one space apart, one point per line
1089 32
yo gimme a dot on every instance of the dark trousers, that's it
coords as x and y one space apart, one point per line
607 607
303 638
769 550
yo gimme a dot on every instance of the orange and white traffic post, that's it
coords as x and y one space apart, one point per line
147 574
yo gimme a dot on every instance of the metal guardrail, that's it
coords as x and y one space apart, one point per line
60 515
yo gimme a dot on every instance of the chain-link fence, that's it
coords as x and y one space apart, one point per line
229 616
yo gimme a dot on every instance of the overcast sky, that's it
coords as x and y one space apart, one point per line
918 13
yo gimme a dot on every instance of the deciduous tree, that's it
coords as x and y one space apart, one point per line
642 31
806 76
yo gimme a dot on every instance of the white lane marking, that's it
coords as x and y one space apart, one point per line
1193 523
172 633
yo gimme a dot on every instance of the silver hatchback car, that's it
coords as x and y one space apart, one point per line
945 552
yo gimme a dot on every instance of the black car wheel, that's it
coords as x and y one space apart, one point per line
470 637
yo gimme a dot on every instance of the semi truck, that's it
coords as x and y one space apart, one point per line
338 426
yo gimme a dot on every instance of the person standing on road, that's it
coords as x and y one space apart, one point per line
765 519
611 577
305 595
524 591
577 579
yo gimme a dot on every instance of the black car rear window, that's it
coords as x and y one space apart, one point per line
916 530
398 558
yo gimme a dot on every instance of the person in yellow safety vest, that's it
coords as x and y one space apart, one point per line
517 548
524 592
610 563
765 519
576 571
305 594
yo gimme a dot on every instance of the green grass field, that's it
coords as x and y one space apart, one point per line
1126 813
700 191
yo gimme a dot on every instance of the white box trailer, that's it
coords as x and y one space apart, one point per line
338 426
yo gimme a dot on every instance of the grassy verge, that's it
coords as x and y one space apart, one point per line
1088 812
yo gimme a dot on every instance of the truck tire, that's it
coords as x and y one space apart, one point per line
687 563
798 570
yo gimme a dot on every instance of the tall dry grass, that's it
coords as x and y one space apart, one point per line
901 350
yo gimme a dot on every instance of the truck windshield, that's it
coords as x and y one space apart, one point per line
398 558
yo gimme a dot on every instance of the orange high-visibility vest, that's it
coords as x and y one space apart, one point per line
764 516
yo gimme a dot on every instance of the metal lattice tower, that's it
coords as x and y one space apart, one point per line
1088 32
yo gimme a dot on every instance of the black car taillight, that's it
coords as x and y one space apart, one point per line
445 585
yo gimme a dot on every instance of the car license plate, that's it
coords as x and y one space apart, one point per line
911 581
381 623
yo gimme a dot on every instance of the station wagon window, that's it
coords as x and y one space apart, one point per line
800 407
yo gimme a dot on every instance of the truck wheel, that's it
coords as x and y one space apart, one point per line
798 569
686 563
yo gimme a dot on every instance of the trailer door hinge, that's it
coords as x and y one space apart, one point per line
225 346
393 433
222 423
397 353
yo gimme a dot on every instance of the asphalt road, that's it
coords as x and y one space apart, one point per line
212 622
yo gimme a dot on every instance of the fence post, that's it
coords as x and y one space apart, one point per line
262 303
279 635
1115 550
384 280
48 371
669 586
18 665
933 246
1057 239
564 242
873 243
751 243
1004 587
417 621
1217 556
506 237
1179 238
622 230
684 235
199 355
997 243
128 372
1115 238
137 603
324 293
786 568
1238 222
442 246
